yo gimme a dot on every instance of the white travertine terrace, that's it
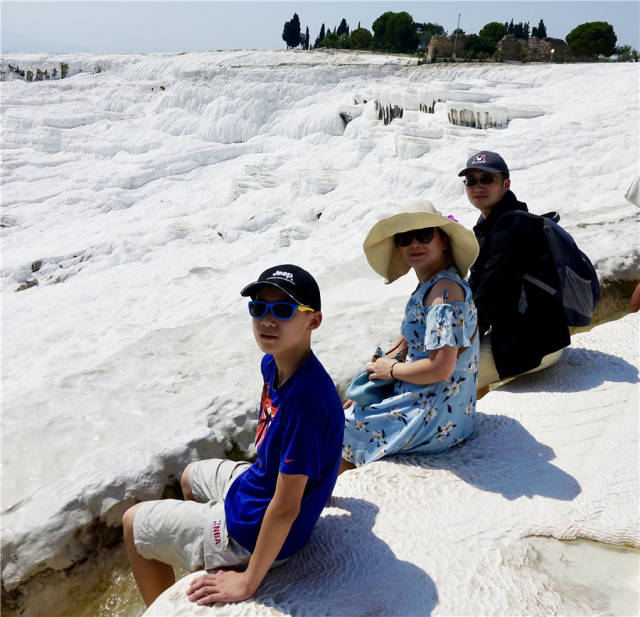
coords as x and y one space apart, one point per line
139 199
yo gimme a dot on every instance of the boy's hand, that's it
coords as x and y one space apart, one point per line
347 404
230 586
221 586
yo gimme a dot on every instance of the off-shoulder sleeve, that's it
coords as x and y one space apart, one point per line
449 325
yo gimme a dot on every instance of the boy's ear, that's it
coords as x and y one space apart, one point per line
315 320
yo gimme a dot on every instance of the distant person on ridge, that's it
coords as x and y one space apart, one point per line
252 516
522 328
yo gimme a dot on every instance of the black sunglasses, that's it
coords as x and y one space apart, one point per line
483 179
405 238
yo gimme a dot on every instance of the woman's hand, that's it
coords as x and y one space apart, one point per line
380 368
347 404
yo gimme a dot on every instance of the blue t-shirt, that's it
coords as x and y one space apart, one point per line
300 431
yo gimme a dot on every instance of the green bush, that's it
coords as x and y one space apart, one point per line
626 53
361 39
592 39
490 35
395 32
426 31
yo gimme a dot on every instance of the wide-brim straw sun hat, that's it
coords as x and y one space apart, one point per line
383 254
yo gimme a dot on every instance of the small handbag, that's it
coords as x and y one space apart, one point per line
365 391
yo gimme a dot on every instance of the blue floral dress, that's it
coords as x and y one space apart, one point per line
422 418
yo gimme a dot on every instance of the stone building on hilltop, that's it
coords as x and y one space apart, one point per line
531 50
508 48
443 46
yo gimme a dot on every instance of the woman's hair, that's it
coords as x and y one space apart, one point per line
447 251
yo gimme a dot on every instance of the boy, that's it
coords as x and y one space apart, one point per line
237 514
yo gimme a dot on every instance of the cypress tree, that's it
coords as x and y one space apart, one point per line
291 31
542 30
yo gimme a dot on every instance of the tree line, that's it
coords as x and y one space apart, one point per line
399 33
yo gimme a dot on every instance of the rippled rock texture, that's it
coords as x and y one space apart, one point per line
553 454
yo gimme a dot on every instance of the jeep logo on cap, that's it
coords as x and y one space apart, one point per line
279 274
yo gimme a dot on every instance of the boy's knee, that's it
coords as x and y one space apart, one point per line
185 484
127 522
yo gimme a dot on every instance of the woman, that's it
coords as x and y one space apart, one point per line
436 367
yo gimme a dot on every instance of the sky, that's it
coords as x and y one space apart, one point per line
152 26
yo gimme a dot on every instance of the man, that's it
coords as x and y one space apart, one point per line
522 328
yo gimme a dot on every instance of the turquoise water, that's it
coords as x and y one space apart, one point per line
603 577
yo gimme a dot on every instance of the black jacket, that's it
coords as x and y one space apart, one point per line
526 323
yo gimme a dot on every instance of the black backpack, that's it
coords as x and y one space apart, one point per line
577 288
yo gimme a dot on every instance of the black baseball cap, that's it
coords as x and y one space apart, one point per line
487 161
293 280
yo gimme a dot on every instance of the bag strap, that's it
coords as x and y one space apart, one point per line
461 349
402 348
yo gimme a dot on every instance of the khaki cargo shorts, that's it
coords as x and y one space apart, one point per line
193 534
488 373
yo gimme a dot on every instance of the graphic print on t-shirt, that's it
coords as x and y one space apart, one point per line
267 414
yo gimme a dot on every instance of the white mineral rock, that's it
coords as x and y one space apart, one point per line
143 197
554 454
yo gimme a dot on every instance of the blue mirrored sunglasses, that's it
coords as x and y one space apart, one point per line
280 310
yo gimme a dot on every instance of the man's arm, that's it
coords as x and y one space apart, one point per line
498 292
230 586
